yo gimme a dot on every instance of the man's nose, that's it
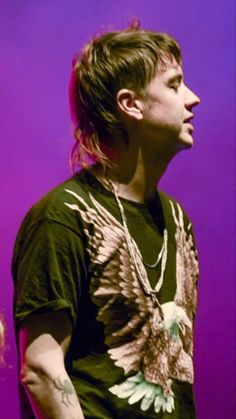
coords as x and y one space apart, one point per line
191 99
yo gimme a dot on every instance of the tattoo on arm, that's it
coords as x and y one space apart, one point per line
68 394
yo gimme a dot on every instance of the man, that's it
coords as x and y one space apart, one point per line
105 266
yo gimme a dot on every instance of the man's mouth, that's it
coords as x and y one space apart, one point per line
188 120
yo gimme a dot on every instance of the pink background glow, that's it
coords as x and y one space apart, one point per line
37 42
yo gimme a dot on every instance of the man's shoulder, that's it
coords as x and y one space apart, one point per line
168 200
172 205
52 206
165 197
56 197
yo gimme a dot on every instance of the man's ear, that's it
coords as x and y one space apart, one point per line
129 104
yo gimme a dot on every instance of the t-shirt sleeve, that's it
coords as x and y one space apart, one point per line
49 271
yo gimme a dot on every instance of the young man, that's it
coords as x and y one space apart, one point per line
105 266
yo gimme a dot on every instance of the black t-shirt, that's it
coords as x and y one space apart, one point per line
130 356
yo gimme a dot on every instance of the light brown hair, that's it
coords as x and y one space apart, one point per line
110 62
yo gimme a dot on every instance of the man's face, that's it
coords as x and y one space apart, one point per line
167 110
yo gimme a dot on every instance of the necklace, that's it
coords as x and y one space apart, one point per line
161 257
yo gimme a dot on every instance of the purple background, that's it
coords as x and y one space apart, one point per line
37 41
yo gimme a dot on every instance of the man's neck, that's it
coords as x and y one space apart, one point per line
135 179
142 187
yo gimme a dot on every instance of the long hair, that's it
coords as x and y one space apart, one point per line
110 62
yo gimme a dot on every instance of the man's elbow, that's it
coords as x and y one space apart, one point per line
32 376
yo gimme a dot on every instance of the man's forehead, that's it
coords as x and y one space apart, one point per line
169 73
169 69
169 63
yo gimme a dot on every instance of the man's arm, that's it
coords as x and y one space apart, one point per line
44 340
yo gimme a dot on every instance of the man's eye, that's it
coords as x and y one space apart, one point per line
175 86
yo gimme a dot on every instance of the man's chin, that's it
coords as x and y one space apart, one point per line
186 142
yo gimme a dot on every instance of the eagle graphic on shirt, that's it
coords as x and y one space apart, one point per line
152 343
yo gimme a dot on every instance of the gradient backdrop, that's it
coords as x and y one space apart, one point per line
38 40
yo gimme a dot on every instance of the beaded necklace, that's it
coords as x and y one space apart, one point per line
162 256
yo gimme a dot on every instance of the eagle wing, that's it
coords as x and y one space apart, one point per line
125 310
